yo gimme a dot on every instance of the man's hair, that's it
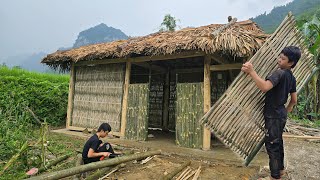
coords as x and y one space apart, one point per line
104 127
293 53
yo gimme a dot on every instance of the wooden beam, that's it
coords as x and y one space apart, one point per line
189 70
71 95
153 67
166 96
300 137
143 58
219 59
207 101
75 128
223 67
125 99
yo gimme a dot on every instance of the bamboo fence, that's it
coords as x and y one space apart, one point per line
236 118
189 108
137 112
98 95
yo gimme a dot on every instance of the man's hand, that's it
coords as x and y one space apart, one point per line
247 67
106 154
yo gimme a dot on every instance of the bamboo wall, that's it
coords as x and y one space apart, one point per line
97 96
172 105
189 109
137 112
237 117
219 84
156 100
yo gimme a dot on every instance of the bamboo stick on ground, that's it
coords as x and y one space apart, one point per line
183 173
113 170
98 173
176 171
14 158
196 175
93 166
191 174
54 162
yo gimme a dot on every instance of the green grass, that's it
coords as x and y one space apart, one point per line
58 145
16 72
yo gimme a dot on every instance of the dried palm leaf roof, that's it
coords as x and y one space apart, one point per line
241 39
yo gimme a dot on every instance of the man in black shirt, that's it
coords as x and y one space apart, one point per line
277 86
94 149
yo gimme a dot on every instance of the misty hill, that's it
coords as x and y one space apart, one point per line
299 8
99 34
29 62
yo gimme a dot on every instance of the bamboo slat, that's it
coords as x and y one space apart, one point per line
137 112
236 118
189 108
97 97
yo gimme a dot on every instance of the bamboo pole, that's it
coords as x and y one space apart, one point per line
93 166
125 99
206 101
98 173
54 162
176 171
14 158
71 95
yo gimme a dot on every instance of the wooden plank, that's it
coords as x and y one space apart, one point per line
143 58
71 95
75 128
125 99
206 101
153 66
223 67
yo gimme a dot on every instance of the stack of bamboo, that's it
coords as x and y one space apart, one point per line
236 118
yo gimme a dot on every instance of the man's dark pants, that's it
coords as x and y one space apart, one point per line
274 144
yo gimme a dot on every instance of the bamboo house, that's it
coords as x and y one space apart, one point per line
164 80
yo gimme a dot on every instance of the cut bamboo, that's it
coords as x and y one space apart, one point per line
176 171
93 166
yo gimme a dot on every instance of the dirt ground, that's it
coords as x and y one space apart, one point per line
302 159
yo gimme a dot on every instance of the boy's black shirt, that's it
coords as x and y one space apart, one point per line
93 143
283 83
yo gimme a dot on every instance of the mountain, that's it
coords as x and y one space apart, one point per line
300 9
29 62
99 34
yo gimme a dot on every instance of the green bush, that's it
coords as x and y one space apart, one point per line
45 94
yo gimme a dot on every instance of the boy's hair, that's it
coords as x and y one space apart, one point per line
105 127
293 53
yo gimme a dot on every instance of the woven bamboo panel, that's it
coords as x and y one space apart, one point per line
237 117
137 112
97 97
189 108
156 101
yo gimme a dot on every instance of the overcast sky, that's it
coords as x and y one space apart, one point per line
32 26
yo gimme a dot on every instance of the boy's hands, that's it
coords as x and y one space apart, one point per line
106 154
247 67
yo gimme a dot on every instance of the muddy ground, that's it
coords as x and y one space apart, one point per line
302 159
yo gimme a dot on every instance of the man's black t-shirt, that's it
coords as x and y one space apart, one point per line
283 83
93 143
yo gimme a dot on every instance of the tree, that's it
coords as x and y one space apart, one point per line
169 23
311 104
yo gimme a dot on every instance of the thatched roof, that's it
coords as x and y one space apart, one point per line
240 39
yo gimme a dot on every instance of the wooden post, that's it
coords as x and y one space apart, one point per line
166 100
206 101
125 99
71 94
